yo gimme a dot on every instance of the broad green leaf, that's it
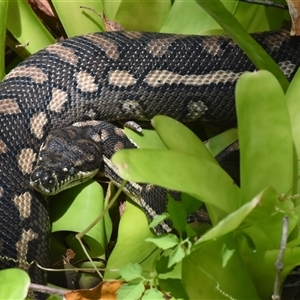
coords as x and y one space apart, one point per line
131 271
178 137
189 203
227 252
142 15
78 20
266 233
147 139
174 287
205 265
151 294
176 256
182 172
257 18
197 21
252 208
158 219
219 142
130 291
25 26
232 27
130 234
14 284
177 214
85 203
161 264
164 241
261 264
265 137
3 14
266 205
292 100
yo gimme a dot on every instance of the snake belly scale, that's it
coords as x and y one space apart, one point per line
108 76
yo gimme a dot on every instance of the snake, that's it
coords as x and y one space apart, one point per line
98 78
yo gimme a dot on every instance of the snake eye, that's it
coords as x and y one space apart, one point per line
71 171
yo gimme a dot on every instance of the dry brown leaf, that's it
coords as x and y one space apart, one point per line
294 9
106 290
70 254
109 25
43 6
44 11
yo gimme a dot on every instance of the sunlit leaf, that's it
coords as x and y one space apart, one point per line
14 284
265 136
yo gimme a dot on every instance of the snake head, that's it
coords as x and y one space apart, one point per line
67 158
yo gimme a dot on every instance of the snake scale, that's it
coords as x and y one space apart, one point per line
108 76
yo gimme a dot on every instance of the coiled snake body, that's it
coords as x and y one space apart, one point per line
108 76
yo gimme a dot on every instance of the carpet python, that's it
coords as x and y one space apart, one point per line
109 77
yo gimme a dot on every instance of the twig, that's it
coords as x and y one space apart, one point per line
266 3
80 235
46 289
23 45
279 263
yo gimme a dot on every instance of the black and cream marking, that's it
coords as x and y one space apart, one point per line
108 76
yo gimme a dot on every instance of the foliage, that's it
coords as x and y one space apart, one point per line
14 284
241 249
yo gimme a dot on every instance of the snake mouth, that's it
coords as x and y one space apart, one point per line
55 185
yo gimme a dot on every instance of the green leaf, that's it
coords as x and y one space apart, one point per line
179 171
194 18
197 21
161 265
189 203
292 99
80 206
264 135
130 291
82 20
158 219
178 137
219 142
227 252
205 265
142 15
151 294
25 26
261 265
266 233
130 234
131 271
174 287
147 139
177 214
176 256
3 15
164 241
14 284
235 219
